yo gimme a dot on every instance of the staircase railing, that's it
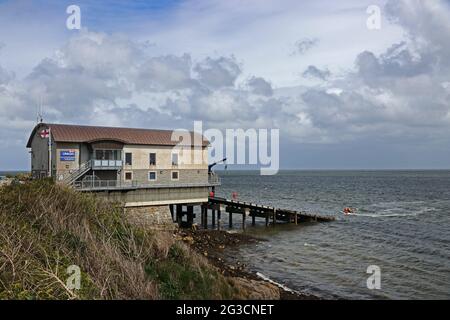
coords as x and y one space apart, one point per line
71 177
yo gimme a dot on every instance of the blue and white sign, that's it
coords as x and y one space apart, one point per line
67 155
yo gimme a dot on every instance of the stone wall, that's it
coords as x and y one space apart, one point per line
165 176
157 196
188 158
151 217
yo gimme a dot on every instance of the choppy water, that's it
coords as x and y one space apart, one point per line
403 226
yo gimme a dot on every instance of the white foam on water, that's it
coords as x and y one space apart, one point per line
279 285
395 209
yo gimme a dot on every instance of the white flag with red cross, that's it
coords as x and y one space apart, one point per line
44 133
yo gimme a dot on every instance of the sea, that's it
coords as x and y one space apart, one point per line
400 234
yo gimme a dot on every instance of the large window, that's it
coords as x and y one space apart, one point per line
101 154
128 158
174 159
152 159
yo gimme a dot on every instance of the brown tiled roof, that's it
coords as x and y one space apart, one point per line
76 133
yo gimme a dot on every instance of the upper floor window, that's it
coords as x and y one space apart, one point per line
128 158
174 159
152 159
104 154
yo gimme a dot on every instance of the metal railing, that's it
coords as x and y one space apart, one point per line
118 184
213 179
73 175
106 164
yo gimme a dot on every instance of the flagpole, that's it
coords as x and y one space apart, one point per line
49 152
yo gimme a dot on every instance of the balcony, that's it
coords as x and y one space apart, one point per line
97 185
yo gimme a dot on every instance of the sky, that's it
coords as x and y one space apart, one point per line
343 96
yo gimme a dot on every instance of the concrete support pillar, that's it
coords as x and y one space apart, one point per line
190 216
219 217
244 217
179 214
202 215
172 211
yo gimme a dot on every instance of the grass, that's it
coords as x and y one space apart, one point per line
185 276
46 228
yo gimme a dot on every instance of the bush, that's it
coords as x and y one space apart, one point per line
47 227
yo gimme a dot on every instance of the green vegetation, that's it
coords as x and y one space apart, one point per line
45 228
183 275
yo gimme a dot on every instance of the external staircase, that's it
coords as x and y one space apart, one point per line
73 176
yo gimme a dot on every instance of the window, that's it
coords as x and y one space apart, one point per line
152 159
174 175
104 154
174 159
128 175
128 158
152 175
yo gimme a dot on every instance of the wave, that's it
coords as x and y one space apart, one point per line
391 212
375 215
279 285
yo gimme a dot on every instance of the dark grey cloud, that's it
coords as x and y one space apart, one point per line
314 72
218 72
304 45
164 73
260 86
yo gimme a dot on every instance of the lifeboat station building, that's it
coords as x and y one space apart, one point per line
137 167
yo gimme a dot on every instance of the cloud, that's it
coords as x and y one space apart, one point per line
96 76
164 73
5 76
304 45
260 86
314 72
219 72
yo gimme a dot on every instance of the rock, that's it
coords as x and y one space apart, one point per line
188 239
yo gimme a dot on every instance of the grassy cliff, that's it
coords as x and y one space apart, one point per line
46 228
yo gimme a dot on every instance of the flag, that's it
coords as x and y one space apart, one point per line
44 133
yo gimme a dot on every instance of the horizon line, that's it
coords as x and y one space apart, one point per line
303 169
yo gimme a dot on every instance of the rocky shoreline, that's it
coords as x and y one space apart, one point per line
212 244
